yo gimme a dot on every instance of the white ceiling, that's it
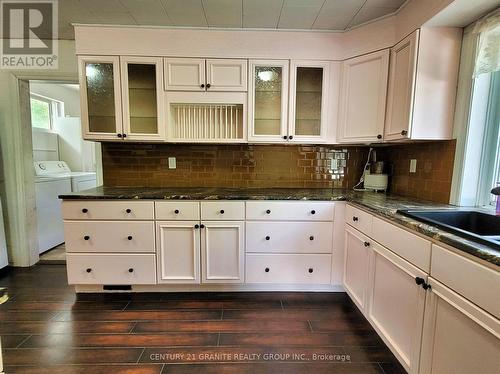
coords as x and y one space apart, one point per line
335 15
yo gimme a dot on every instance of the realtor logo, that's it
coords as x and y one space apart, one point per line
29 34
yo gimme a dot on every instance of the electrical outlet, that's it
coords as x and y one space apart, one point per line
172 163
413 165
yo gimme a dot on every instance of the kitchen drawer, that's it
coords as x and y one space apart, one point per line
290 210
111 210
473 281
177 210
223 210
289 268
289 237
123 269
109 236
359 219
411 247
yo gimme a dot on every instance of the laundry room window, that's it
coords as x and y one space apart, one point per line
44 110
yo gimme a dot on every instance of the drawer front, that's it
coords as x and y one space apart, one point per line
411 247
222 210
123 269
109 236
359 219
289 237
290 210
293 269
177 210
473 281
111 210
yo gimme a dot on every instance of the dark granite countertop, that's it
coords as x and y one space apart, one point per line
379 204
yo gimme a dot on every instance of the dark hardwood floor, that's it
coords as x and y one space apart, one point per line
46 328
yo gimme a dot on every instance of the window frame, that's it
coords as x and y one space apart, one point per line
56 109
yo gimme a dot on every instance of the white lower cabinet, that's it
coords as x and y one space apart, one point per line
395 304
178 251
356 266
458 337
223 251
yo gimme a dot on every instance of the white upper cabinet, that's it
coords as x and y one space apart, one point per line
308 104
422 85
184 74
193 74
362 98
268 100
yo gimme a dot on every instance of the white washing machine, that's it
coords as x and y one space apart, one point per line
54 178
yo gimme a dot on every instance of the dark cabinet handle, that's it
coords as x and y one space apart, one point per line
311 237
86 237
85 210
285 137
128 211
119 135
124 136
209 85
202 85
310 270
290 137
419 281
404 132
176 211
313 211
367 244
88 270
129 237
196 226
268 211
355 219
222 211
268 238
266 270
426 286
202 226
379 136
130 270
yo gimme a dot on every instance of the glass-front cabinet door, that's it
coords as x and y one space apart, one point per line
100 97
268 99
308 102
142 81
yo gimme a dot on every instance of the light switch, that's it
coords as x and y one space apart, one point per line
172 163
413 166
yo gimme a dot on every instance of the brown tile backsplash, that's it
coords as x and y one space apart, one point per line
309 166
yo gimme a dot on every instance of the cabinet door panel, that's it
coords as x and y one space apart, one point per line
184 74
100 97
222 251
178 251
227 75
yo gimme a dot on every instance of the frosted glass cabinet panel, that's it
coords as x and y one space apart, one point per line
268 100
309 87
142 107
101 99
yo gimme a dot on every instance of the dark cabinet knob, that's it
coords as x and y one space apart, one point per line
285 137
355 219
209 85
404 132
88 270
196 226
311 237
268 211
85 210
124 135
176 211
119 135
268 238
86 237
367 244
130 270
426 286
202 85
379 136
129 237
310 270
419 281
202 226
222 211
128 210
290 137
313 211
266 270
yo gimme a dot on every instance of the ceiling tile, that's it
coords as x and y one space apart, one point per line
297 14
147 12
223 13
337 14
114 18
98 6
385 3
369 13
261 13
185 12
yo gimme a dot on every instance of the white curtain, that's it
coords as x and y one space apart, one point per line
488 54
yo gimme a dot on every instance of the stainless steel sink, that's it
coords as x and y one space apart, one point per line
471 224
